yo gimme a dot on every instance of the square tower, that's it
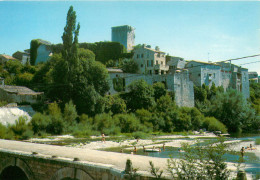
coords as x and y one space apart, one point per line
124 35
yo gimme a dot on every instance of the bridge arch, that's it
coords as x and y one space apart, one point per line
71 174
15 166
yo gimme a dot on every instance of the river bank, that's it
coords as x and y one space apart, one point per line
171 143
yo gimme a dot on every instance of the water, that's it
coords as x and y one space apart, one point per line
251 161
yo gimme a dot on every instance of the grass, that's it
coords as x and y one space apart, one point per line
257 141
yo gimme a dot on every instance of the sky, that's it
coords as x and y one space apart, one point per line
195 30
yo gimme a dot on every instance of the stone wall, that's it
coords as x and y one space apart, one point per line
178 82
40 167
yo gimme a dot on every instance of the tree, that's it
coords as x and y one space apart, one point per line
159 90
82 79
70 113
140 95
232 109
200 162
130 66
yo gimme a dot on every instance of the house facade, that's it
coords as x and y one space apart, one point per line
204 73
18 94
24 57
175 63
43 51
150 61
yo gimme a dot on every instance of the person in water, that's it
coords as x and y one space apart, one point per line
242 151
103 138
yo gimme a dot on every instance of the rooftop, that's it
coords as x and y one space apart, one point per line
7 57
203 62
19 90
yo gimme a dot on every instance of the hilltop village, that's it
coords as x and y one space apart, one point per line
152 65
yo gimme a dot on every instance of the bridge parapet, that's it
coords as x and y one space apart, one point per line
37 166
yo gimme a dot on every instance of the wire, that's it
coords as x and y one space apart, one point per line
240 58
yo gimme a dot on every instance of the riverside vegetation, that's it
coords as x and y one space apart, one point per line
76 85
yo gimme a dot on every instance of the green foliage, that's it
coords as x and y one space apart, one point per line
140 95
39 123
21 129
140 135
105 51
3 103
255 96
212 124
35 43
130 171
200 162
159 90
118 84
257 141
5 133
145 118
155 171
86 54
232 109
13 66
24 79
70 113
128 123
129 66
115 104
106 124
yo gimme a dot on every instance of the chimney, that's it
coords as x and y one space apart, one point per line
157 48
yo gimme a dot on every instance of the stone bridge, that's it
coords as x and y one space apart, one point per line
30 161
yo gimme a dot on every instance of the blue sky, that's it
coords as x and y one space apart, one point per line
192 30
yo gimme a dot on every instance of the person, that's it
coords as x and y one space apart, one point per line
121 150
135 149
143 148
251 147
242 151
163 146
103 138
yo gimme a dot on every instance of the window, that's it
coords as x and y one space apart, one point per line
199 74
156 62
147 55
191 65
137 56
161 62
142 65
147 63
142 55
152 63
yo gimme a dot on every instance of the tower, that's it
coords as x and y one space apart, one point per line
124 35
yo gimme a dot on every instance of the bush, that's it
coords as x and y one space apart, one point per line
40 123
106 124
128 123
20 128
139 135
212 124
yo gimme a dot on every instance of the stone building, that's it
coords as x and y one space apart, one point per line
150 61
222 74
43 51
124 35
4 58
204 73
253 77
22 56
175 63
18 94
178 82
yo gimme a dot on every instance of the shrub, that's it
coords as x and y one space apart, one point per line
139 135
20 127
106 124
128 123
212 124
40 122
